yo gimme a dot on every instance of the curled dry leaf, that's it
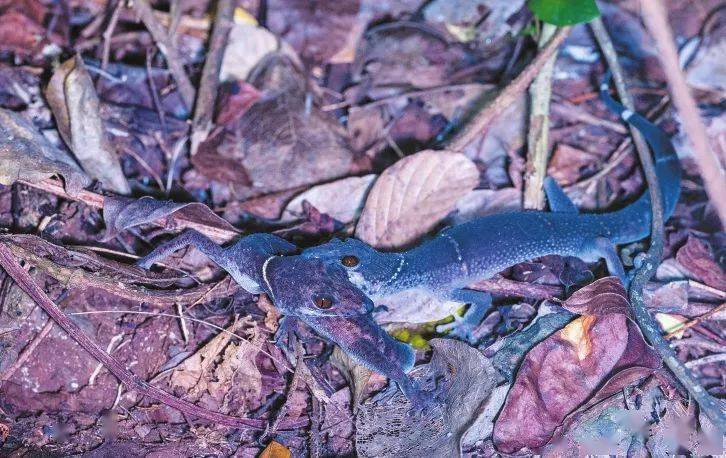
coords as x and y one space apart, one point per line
413 195
214 368
120 213
247 45
342 199
465 377
75 105
591 358
695 256
25 154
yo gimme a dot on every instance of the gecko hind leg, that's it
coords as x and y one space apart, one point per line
556 197
480 303
186 238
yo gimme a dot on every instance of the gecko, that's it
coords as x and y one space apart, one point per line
334 287
313 291
458 256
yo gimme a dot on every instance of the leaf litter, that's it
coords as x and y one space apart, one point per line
330 127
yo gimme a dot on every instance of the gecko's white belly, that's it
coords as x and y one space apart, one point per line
414 306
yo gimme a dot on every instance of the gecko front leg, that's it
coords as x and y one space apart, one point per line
243 260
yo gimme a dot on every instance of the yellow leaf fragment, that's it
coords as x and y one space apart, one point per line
577 333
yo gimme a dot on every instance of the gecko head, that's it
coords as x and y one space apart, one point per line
350 254
311 287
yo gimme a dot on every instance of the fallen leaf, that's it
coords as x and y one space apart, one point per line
317 30
121 213
413 195
193 375
356 375
670 323
465 377
569 164
276 450
342 199
280 142
695 256
591 358
708 69
25 154
75 105
247 45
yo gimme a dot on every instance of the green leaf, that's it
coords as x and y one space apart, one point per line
564 12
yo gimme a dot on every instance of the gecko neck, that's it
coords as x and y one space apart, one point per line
383 277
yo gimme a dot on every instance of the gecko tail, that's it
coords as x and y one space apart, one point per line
633 222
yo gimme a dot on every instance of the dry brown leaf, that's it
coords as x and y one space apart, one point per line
275 450
25 154
190 374
238 363
413 195
75 105
341 199
356 374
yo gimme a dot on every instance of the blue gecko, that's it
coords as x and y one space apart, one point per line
333 287
458 256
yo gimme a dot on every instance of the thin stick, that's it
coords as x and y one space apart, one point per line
108 33
27 351
167 47
508 95
132 381
656 20
207 95
645 320
695 321
539 125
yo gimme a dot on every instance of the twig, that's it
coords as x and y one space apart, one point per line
645 320
694 321
711 168
508 95
27 351
539 125
108 33
27 284
710 359
207 95
167 47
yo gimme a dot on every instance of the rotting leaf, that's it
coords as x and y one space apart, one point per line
195 374
356 374
413 195
695 256
25 154
120 213
591 358
247 45
342 199
385 426
75 105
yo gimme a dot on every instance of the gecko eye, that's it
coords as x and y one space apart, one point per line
323 302
350 261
